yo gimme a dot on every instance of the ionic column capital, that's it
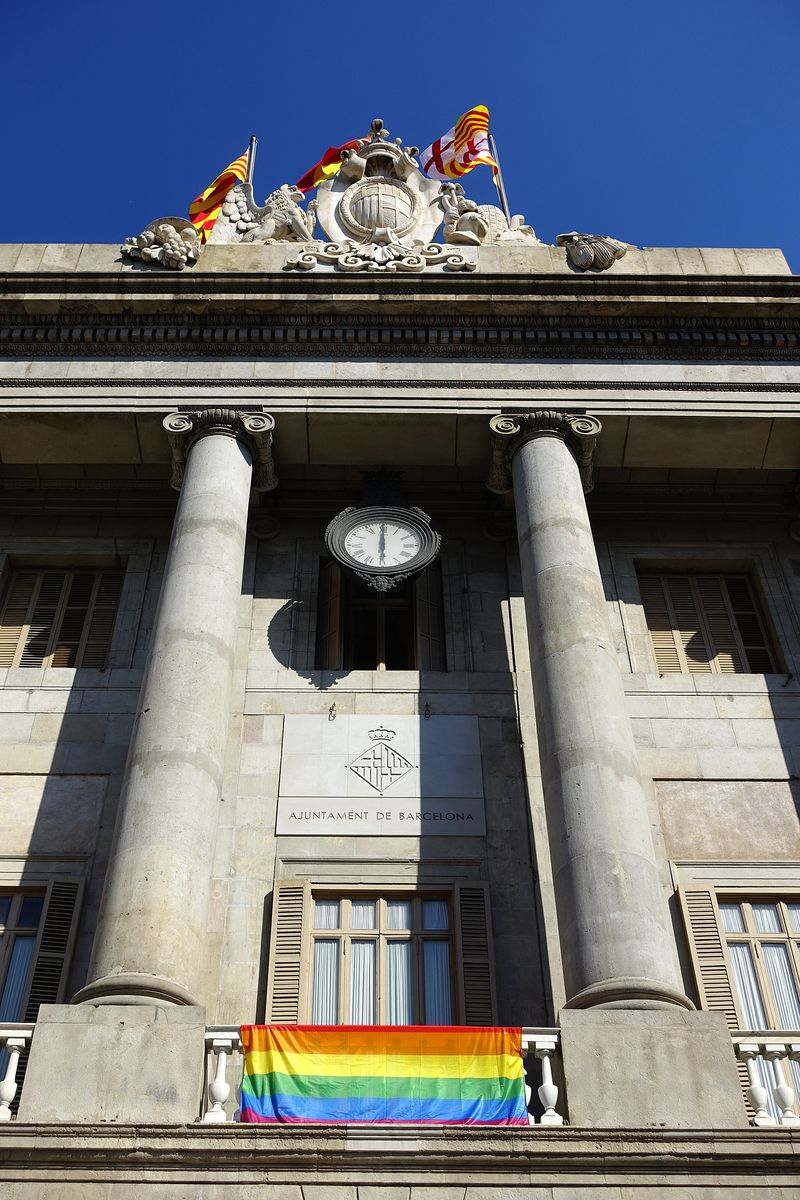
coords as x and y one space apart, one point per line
509 431
254 429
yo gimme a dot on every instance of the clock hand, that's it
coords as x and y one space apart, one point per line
382 543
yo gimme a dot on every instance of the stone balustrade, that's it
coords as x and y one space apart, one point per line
222 1042
767 1055
14 1038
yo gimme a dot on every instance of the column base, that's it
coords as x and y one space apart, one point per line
637 1069
134 989
629 992
126 1065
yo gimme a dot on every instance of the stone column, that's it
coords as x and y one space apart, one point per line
617 950
149 943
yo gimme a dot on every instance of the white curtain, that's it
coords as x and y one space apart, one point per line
784 990
325 997
363 914
326 914
400 1005
436 982
794 917
732 918
362 983
398 914
766 918
434 914
17 978
744 976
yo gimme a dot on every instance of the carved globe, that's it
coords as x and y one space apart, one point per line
495 220
379 204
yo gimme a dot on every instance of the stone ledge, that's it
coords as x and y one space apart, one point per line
405 1155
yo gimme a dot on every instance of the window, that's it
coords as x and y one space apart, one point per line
59 618
394 957
747 959
381 961
361 629
705 624
37 928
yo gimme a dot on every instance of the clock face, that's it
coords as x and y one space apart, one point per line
382 543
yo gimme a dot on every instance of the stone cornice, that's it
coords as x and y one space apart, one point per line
536 333
412 1155
288 385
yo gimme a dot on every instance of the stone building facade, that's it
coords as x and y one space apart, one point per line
551 781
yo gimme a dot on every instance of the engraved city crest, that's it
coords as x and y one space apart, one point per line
381 766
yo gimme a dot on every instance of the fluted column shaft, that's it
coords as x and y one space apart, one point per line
148 946
613 921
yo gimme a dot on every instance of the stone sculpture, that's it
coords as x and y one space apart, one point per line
379 212
170 242
590 251
280 219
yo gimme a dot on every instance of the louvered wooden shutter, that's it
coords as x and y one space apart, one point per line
59 618
703 624
329 618
56 938
703 931
429 623
291 909
474 952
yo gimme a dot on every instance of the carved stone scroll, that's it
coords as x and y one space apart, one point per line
254 429
510 431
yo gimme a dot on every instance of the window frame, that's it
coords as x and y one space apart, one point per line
11 929
55 636
132 556
334 637
745 898
289 966
622 562
709 639
345 934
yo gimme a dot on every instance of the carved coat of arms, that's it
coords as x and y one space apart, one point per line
381 765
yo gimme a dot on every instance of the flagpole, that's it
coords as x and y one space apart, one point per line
251 157
498 179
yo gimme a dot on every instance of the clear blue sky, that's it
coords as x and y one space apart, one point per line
660 123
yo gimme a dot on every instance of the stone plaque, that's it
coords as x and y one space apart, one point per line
381 775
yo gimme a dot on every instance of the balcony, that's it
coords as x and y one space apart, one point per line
770 1061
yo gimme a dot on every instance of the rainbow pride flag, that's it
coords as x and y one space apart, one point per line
383 1074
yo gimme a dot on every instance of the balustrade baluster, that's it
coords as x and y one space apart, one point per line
8 1086
775 1053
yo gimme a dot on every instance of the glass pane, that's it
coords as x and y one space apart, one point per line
362 983
363 914
746 986
794 917
326 914
17 978
398 914
781 982
434 914
767 918
5 905
436 980
31 911
325 994
400 998
732 918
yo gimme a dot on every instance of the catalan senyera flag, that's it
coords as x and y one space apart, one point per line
204 211
383 1074
327 166
463 147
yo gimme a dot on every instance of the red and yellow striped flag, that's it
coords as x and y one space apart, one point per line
204 211
463 147
327 166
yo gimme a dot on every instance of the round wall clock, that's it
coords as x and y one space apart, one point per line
383 544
